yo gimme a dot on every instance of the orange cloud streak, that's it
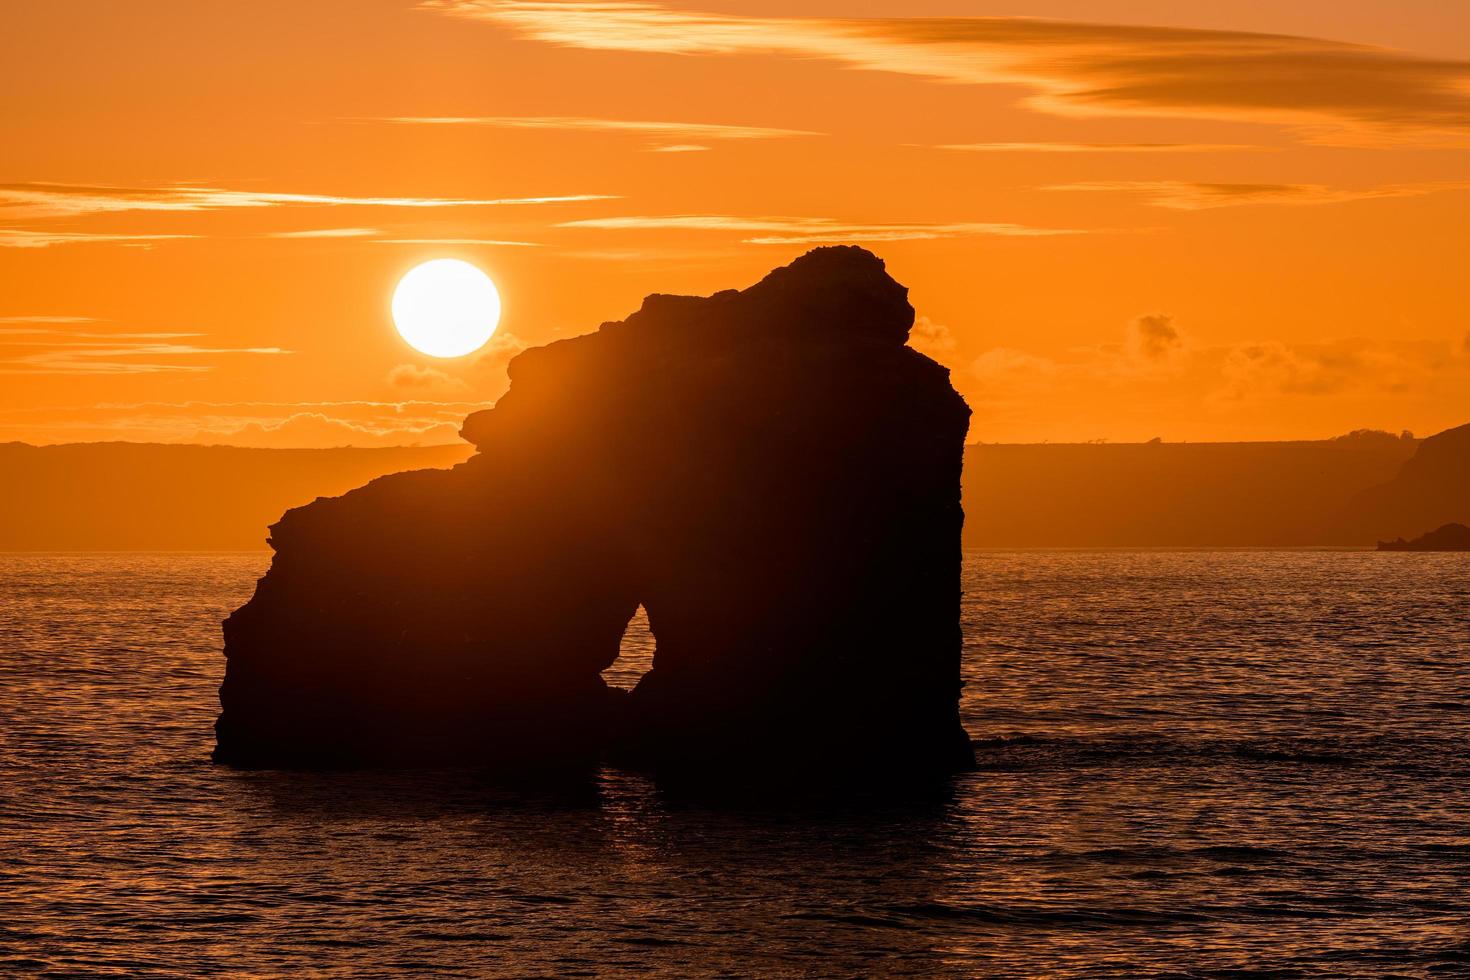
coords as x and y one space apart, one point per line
1351 92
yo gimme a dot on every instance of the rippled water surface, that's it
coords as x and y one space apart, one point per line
1192 764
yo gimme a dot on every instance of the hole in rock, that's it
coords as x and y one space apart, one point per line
635 654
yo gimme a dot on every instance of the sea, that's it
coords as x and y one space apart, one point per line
1192 764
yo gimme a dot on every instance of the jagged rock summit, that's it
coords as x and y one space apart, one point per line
771 473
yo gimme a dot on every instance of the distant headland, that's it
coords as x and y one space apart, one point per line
1451 537
1347 492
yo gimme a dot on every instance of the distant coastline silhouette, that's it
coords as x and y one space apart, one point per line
1346 492
771 473
1451 537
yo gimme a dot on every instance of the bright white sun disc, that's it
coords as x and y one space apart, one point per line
446 308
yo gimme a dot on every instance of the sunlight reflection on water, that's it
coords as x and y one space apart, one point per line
1190 762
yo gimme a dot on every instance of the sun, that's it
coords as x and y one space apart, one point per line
446 308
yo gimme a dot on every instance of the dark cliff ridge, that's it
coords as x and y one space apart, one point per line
1193 495
176 497
1179 495
771 473
1451 537
1431 490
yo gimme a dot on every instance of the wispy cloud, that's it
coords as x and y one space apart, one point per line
807 231
48 319
1346 367
1098 147
41 200
73 335
327 233
1192 196
249 423
1153 348
22 238
65 352
305 430
1156 353
19 238
908 234
1354 91
934 339
685 131
664 256
419 376
456 241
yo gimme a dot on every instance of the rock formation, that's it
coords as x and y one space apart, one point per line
1451 537
771 473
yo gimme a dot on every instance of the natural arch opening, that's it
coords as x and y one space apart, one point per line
635 653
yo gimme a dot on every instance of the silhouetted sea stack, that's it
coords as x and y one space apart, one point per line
771 473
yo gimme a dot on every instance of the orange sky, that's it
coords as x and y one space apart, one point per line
1132 219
